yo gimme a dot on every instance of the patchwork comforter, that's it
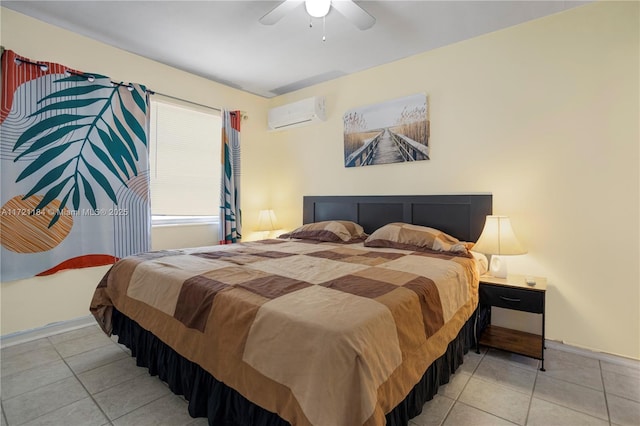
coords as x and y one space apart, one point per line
322 334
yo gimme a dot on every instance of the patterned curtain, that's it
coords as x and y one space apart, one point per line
74 167
230 213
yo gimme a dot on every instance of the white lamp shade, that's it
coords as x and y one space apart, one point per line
267 220
498 238
317 8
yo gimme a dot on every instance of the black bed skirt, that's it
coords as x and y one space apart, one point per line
223 406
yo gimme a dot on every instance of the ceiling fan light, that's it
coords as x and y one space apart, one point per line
317 8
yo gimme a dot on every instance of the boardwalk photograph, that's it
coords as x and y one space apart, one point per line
395 131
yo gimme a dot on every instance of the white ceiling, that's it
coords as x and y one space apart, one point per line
223 40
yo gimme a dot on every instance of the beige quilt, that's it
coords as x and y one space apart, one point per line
322 334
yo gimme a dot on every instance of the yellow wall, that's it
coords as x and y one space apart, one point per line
36 302
543 115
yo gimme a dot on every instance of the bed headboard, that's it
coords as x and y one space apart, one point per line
461 216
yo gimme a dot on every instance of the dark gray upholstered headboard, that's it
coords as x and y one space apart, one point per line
461 216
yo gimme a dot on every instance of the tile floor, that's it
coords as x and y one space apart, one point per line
84 378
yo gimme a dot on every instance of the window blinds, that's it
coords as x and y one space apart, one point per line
184 160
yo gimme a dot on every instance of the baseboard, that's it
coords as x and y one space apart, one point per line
613 359
46 331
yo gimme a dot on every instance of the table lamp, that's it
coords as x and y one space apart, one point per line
267 221
498 240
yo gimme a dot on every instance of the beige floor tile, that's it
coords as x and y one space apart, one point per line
34 345
456 384
491 388
574 373
169 410
623 412
570 395
76 334
517 360
507 374
471 361
544 413
434 411
496 399
72 347
569 357
131 395
626 368
95 358
81 413
43 400
110 375
27 360
621 385
28 380
464 415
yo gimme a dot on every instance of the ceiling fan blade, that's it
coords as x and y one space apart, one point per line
279 11
360 17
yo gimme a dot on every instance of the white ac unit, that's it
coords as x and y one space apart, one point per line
297 113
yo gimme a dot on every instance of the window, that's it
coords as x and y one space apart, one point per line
184 160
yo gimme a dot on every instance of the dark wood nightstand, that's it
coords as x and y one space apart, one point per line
514 293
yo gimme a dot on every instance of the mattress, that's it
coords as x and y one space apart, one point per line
318 333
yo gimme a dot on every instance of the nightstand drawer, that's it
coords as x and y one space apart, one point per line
512 298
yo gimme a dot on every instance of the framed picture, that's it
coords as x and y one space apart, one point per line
395 131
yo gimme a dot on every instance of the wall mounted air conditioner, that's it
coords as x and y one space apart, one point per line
297 114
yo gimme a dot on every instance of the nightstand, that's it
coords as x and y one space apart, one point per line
514 293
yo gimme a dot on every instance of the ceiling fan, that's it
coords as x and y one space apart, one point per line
319 9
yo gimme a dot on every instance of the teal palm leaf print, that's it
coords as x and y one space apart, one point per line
85 139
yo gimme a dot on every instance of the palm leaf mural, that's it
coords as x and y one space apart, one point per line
85 139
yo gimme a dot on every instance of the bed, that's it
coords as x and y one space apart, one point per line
301 331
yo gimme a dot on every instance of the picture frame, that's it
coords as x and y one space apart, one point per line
394 131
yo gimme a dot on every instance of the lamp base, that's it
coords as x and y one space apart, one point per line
498 266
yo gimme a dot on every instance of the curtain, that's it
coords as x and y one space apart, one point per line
74 168
230 213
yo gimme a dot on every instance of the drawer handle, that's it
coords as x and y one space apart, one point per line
509 299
